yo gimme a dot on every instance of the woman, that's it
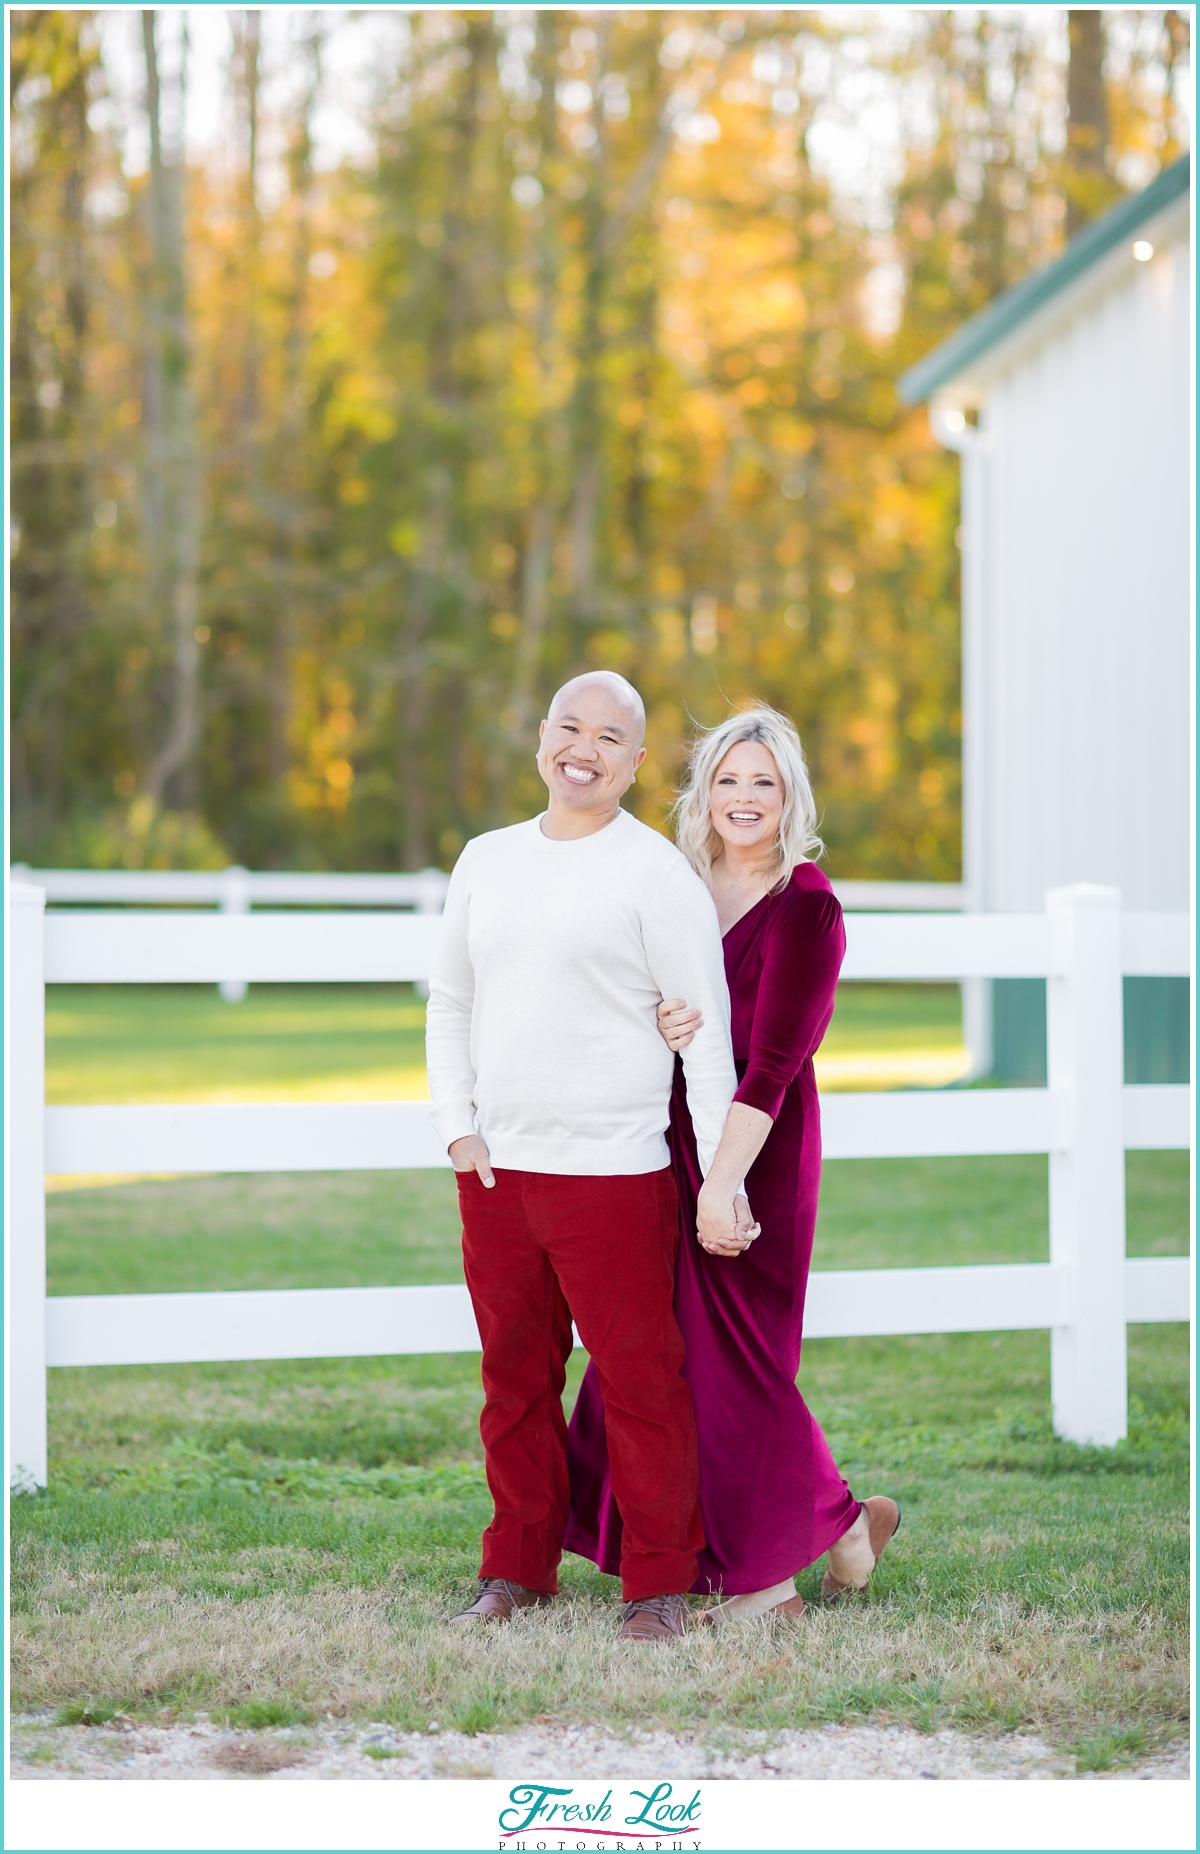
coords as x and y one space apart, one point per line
772 1498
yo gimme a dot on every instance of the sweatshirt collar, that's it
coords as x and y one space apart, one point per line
556 845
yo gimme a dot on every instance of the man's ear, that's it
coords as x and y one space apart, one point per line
638 757
541 730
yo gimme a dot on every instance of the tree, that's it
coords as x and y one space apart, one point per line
1089 187
171 494
323 486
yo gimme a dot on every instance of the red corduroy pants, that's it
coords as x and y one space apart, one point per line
539 1248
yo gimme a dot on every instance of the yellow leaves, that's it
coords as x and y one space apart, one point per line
325 775
671 629
505 625
705 624
775 653
359 406
354 491
865 731
405 539
613 650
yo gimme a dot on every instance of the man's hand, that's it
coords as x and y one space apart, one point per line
724 1225
470 1154
743 1217
678 1022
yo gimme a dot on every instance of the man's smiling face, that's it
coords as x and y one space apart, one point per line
591 745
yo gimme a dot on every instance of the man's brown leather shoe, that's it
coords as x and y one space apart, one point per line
498 1598
655 1619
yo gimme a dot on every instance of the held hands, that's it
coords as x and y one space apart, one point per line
470 1154
678 1023
724 1227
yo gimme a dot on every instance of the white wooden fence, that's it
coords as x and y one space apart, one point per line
235 890
1085 1120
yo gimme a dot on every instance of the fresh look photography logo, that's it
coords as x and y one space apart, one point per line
560 1816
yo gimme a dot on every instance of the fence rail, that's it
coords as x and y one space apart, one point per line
315 1136
166 1329
1085 1119
236 890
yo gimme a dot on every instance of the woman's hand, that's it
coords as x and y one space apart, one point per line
470 1154
724 1226
678 1023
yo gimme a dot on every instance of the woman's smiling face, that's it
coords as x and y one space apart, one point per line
746 803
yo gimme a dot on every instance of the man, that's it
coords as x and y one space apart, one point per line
550 1086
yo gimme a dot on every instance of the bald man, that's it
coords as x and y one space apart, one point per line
551 1088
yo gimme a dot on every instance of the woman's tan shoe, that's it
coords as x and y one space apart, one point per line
855 1555
777 1600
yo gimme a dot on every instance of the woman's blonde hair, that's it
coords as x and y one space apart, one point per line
690 814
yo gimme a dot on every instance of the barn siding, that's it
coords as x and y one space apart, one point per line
1086 629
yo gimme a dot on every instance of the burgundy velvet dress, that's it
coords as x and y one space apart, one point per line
771 1496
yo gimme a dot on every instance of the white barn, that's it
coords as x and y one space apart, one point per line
1070 401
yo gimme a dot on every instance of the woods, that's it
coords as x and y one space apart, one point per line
325 474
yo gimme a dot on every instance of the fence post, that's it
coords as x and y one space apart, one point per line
235 899
431 890
1087 1177
27 1188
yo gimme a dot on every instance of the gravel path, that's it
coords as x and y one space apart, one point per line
130 1749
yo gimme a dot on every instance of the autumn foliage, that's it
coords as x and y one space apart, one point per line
583 363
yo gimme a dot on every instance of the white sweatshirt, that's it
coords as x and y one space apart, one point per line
541 1030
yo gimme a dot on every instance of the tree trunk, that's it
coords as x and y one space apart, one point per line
549 433
412 679
288 477
172 501
1088 186
246 65
534 611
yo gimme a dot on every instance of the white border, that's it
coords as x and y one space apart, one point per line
458 1815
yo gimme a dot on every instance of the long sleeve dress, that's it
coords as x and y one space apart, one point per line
770 1493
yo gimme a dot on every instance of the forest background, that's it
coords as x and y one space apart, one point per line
325 471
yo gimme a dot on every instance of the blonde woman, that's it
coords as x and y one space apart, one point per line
771 1496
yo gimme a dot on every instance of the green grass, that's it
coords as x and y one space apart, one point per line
265 1229
343 1042
277 1541
365 1229
283 1042
885 1019
274 1541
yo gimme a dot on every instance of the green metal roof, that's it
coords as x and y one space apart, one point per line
984 330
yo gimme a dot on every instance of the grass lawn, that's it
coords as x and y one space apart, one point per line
366 1042
283 1042
276 1541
